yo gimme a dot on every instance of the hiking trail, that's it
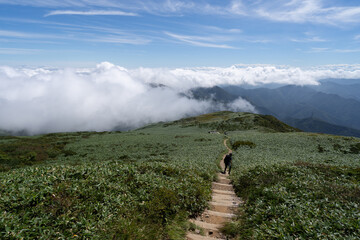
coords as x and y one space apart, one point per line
221 208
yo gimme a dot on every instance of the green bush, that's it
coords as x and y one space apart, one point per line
355 149
238 144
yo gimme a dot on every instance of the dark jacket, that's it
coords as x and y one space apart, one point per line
227 159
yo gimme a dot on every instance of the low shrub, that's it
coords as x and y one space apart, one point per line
304 201
355 148
238 144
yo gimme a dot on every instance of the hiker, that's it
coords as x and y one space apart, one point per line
227 161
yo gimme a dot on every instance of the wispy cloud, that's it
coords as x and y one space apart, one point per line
155 7
113 36
298 11
237 7
318 50
303 11
91 13
17 34
121 40
329 50
347 50
198 41
170 5
257 40
39 37
18 51
345 14
150 6
310 39
227 34
294 11
58 25
62 3
221 30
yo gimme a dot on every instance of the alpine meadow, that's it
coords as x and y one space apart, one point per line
146 183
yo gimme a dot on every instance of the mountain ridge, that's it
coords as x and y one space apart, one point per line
300 102
319 126
235 121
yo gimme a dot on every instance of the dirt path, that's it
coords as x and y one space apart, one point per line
222 207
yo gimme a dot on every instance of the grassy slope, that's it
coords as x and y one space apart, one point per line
137 185
143 184
229 121
296 186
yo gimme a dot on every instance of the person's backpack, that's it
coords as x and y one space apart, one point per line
227 159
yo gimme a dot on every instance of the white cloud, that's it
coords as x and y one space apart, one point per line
303 11
241 105
17 34
317 50
61 3
90 13
121 40
101 98
221 30
185 78
151 6
295 11
113 36
310 39
156 7
345 14
198 40
329 50
237 7
16 51
175 5
347 50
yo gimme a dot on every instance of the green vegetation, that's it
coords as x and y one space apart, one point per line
229 121
24 151
238 144
138 185
145 184
296 186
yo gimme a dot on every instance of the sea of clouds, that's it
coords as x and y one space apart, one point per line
43 100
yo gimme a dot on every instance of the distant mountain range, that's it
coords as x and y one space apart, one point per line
319 126
216 94
331 107
343 90
303 102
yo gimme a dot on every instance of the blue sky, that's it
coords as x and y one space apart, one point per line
179 33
